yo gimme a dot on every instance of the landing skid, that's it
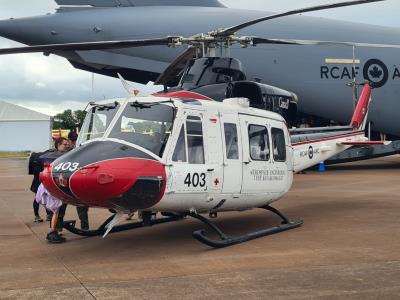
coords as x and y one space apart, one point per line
226 241
70 225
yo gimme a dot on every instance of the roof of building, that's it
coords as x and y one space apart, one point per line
12 112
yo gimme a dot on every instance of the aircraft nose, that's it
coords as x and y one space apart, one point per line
30 31
108 175
10 29
128 183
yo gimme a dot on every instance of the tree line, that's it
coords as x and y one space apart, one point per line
69 119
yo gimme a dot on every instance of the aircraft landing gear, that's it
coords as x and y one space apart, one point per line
226 241
147 221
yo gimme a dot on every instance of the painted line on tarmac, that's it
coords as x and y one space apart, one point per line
14 176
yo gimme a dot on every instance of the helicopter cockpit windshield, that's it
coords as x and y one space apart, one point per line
147 125
97 121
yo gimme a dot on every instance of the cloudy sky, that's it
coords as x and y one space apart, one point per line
51 84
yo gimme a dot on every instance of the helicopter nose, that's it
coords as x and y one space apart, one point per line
107 175
128 183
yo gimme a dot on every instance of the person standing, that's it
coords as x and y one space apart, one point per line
82 214
35 167
73 136
81 211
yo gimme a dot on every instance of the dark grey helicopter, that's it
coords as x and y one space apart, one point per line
318 74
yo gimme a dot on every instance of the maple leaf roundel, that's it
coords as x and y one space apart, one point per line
376 72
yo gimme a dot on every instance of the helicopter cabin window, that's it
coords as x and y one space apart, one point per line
259 142
194 133
231 141
278 144
180 148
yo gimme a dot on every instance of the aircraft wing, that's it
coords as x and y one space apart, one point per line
367 143
127 3
96 3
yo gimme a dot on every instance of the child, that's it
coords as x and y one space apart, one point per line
53 204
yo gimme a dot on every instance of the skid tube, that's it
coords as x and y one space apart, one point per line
70 225
226 241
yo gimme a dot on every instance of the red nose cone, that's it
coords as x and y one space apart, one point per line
129 183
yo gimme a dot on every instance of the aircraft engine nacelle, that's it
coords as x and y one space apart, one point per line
224 77
266 97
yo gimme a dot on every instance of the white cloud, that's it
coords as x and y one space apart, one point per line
40 85
51 109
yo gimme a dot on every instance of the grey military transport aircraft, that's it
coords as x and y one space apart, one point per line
318 74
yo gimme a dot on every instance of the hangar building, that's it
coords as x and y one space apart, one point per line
22 129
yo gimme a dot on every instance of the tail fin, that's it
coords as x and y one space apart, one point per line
359 119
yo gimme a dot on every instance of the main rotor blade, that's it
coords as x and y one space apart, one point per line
51 48
258 40
232 30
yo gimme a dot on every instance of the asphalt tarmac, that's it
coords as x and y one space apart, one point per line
348 248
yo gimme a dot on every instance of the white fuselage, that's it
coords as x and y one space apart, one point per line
248 158
185 155
238 171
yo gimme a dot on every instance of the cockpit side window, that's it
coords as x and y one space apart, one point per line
97 121
278 144
194 131
180 148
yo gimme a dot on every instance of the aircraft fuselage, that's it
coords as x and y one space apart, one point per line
305 70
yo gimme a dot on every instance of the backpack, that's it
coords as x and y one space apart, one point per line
36 164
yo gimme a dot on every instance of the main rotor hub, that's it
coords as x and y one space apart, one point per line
211 40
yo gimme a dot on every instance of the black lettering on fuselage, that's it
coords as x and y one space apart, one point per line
337 72
396 73
346 74
355 71
324 72
335 75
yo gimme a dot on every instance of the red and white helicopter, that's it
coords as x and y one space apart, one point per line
183 154
186 155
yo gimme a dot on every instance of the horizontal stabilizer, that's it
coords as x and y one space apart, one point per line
127 3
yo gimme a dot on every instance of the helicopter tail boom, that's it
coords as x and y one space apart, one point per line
314 145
